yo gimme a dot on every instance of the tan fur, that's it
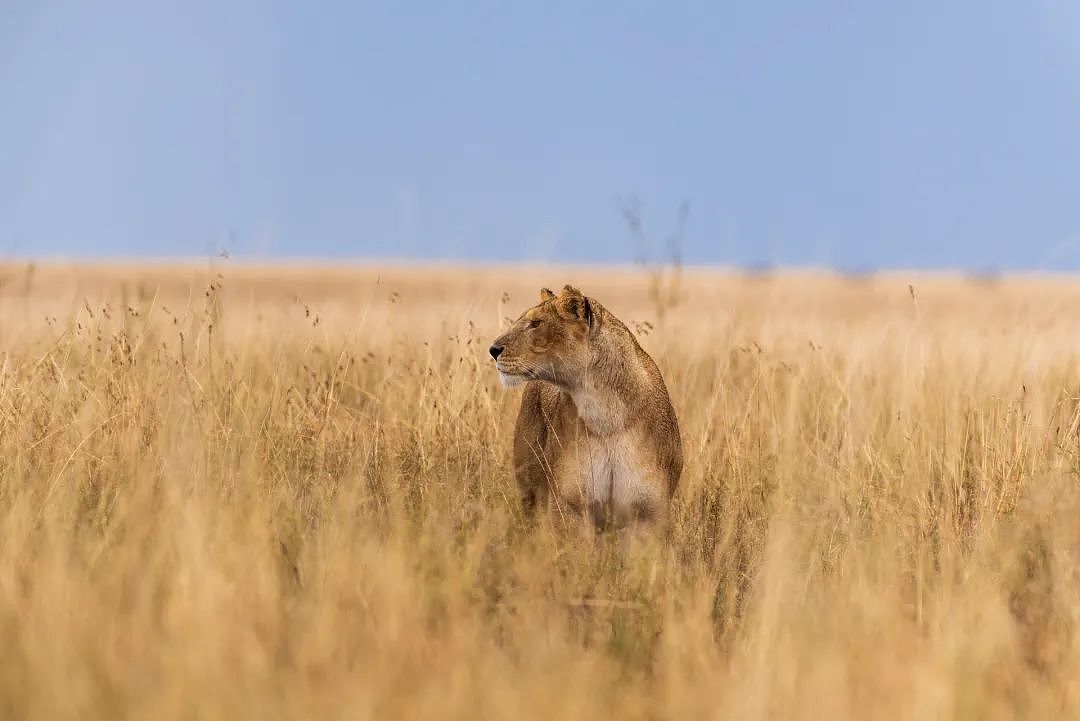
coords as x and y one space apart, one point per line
596 435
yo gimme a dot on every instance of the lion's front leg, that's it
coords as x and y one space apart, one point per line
530 464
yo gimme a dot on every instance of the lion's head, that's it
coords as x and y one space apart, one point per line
548 342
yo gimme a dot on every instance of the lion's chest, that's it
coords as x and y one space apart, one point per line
605 471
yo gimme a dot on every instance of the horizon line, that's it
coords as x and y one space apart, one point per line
434 263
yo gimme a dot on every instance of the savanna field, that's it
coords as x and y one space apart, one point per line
235 492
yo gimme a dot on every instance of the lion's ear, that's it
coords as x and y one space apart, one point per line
546 295
574 304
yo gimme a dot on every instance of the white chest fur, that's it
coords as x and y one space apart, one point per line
608 470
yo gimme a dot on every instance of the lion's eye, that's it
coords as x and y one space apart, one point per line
533 323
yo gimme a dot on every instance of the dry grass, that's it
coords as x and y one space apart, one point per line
288 496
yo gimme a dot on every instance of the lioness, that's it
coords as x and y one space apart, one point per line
596 435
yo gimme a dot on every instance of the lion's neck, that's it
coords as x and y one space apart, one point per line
606 396
603 412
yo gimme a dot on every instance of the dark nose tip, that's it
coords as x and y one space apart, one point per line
495 350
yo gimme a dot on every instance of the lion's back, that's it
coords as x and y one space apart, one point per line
660 420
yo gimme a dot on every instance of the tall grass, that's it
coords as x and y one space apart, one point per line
232 492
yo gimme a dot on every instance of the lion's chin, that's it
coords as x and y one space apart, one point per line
509 381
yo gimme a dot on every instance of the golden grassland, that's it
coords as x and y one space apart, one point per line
232 492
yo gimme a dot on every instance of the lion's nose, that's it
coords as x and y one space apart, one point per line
495 350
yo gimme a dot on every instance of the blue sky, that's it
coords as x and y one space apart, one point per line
851 134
